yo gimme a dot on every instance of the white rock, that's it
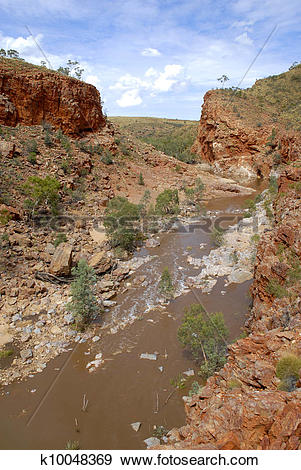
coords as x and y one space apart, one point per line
152 441
136 426
151 357
55 330
189 372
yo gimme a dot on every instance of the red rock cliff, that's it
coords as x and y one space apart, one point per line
30 94
235 136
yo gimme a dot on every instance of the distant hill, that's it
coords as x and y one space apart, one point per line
172 136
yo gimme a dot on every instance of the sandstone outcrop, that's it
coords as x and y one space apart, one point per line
31 94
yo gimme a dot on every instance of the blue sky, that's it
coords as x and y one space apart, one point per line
156 57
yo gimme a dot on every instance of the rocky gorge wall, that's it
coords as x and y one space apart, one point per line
241 406
233 139
30 95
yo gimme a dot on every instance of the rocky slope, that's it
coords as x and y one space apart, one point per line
241 406
30 94
245 133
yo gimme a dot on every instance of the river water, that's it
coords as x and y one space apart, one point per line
45 411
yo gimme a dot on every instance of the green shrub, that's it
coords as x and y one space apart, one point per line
60 238
6 353
65 166
122 223
276 290
60 135
273 185
287 370
31 146
141 180
107 157
47 127
217 236
48 140
32 158
205 338
66 145
255 238
42 192
166 287
179 382
234 383
195 388
195 193
167 202
124 150
160 431
83 305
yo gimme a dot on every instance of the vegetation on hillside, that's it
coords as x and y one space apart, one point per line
172 136
272 100
122 223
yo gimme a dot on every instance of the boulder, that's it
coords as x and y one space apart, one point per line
26 354
152 243
61 260
7 149
100 262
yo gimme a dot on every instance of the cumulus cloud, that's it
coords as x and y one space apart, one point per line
167 78
244 39
153 82
151 72
150 52
22 45
129 98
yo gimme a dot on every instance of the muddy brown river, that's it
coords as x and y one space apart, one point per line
42 412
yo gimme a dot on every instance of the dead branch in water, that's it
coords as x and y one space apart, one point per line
85 403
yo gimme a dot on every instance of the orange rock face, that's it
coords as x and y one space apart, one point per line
233 144
30 95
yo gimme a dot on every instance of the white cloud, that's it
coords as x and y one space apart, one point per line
93 80
22 45
150 52
151 72
244 39
129 98
166 79
154 82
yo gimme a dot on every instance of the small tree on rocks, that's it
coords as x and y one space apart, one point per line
83 305
165 285
205 338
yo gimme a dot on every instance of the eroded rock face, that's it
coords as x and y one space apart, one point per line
232 144
30 95
240 406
